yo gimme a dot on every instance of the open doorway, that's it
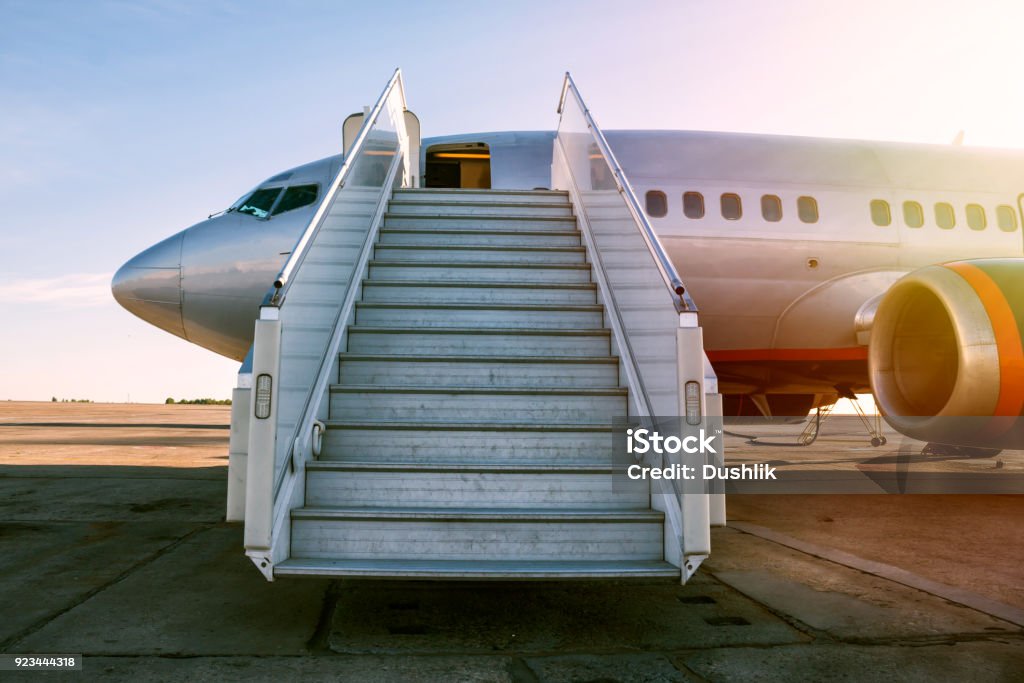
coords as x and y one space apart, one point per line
463 165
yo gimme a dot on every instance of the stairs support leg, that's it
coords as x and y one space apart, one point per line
238 454
716 425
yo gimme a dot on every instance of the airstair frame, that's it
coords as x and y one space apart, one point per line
274 433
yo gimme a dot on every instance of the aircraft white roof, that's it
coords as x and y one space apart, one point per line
774 159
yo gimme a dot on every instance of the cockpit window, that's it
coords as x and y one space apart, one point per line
295 197
259 202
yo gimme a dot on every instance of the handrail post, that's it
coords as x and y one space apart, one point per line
259 481
696 537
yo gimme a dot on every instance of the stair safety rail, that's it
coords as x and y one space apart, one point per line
653 319
303 323
602 155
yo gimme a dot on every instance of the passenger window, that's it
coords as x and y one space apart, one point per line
880 213
1006 217
259 202
657 204
732 207
944 216
976 217
807 209
913 214
771 208
693 204
296 197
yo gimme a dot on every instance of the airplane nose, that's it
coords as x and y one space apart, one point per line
149 285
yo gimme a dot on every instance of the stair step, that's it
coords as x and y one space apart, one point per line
479 237
459 404
432 253
469 222
476 371
474 569
470 514
472 443
480 341
484 191
476 534
418 485
480 315
437 291
470 434
483 271
446 209
445 194
419 467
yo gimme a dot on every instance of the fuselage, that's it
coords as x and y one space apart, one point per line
783 242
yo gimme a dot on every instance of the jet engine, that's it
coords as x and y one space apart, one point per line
945 356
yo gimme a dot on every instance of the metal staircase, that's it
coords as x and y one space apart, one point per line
461 438
435 375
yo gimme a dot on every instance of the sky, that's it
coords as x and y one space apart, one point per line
122 122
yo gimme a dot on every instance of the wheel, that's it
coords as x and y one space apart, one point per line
876 442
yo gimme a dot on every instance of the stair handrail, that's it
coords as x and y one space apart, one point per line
276 295
307 416
684 303
687 515
267 514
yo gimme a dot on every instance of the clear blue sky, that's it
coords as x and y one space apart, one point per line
123 122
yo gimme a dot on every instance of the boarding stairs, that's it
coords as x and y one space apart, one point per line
469 431
439 389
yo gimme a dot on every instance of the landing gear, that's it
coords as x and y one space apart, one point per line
813 428
872 423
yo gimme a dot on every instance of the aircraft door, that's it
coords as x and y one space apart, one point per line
458 165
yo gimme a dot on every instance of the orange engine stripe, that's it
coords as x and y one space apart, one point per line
727 355
1008 342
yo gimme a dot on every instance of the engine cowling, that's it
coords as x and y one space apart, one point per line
945 358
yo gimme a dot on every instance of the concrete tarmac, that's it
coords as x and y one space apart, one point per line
112 545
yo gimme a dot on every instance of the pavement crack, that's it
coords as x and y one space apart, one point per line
13 640
676 660
815 635
520 672
952 594
320 641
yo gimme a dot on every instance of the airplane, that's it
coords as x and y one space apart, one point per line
823 268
